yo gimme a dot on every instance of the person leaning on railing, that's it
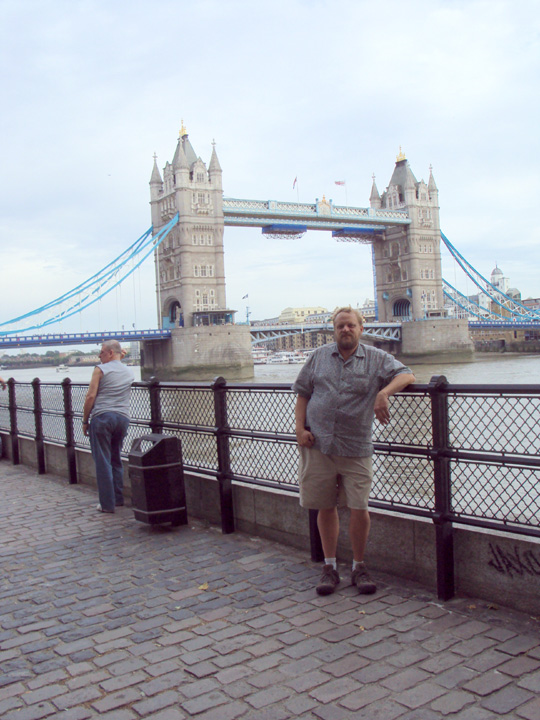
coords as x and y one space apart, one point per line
3 383
106 421
340 389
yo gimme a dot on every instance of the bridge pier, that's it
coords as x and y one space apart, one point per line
199 353
427 339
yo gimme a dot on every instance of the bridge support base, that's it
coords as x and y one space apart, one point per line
199 353
428 338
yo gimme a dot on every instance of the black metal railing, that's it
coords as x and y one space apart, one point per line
466 454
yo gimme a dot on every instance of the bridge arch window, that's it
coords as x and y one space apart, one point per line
402 309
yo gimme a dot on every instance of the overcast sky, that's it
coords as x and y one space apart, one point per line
321 90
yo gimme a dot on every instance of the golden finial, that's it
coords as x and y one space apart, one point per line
401 155
183 130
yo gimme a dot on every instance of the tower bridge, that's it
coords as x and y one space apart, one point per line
401 225
197 335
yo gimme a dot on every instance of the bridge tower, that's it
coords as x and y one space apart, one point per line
408 259
190 274
407 267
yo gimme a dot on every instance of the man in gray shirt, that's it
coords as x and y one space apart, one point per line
107 406
339 390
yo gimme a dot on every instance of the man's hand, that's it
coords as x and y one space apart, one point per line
382 412
85 428
304 438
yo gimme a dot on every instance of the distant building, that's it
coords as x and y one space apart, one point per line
296 316
531 303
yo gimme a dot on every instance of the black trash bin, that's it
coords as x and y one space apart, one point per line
156 472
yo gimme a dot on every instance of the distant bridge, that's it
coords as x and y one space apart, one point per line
266 333
259 335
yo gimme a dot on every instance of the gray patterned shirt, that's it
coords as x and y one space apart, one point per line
342 396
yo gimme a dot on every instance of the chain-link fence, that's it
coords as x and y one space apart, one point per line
467 454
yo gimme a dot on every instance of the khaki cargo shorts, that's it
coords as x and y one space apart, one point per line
330 480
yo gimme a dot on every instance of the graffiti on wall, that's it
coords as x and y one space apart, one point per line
518 562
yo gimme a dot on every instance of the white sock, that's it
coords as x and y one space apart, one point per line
355 563
331 561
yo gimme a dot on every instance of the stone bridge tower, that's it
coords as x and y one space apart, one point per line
190 275
407 268
408 259
190 270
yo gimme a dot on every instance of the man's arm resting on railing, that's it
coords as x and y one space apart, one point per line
382 412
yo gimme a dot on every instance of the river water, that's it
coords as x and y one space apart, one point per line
487 368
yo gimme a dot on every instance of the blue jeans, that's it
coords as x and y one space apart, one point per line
107 433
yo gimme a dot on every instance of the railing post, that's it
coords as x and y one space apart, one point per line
317 554
224 461
156 421
38 422
70 435
13 431
444 535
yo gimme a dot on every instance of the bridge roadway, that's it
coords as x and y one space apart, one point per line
343 222
259 333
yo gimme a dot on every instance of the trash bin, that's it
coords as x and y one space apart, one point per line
156 472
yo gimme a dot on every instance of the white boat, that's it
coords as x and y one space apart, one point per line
260 357
286 358
62 368
278 359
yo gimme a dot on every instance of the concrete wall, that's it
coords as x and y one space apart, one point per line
493 566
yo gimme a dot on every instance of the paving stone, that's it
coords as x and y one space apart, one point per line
518 645
519 666
455 677
419 695
113 701
269 696
531 682
148 706
476 645
453 702
487 683
404 680
35 712
530 710
334 689
331 712
507 700
231 711
487 660
346 665
204 702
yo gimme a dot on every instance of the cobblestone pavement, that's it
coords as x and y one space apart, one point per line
102 616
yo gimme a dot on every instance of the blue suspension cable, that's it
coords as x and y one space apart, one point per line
88 300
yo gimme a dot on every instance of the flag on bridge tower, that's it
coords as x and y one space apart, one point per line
245 296
294 183
339 182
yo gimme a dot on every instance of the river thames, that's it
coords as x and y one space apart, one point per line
487 368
